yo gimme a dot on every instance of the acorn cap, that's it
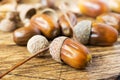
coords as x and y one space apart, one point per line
36 43
82 31
55 48
26 11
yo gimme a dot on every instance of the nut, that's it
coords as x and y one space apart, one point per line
23 34
50 12
95 33
8 24
46 25
115 5
36 43
26 12
92 8
112 19
103 35
65 26
72 53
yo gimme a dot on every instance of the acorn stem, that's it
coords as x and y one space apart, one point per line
63 10
24 61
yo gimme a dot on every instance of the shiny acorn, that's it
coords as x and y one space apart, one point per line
23 34
95 33
46 24
66 50
65 26
112 19
114 5
92 8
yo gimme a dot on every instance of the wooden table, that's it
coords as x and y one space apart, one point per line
105 64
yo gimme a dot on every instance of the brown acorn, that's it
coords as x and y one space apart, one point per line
23 34
103 34
66 50
65 26
92 8
112 19
95 33
114 5
10 22
46 25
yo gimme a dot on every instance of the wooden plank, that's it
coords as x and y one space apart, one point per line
105 63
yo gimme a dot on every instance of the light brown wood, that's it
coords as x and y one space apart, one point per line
105 64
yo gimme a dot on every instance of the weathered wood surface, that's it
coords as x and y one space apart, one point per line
105 64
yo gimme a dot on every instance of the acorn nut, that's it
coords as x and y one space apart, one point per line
64 49
103 35
23 34
92 8
112 19
8 24
95 33
46 25
65 26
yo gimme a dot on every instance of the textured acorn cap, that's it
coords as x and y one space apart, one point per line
82 31
36 43
55 48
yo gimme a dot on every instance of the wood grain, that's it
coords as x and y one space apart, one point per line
105 63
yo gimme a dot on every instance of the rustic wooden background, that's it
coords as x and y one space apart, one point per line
105 64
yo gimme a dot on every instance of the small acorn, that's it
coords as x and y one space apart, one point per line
36 43
26 12
103 34
8 24
114 5
65 26
95 33
64 49
48 3
112 19
23 34
92 8
46 24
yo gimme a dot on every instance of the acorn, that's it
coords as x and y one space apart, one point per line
65 26
8 5
26 12
92 8
112 19
47 25
23 34
8 24
103 34
36 43
64 49
114 5
95 33
48 3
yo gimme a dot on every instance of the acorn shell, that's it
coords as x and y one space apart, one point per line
50 12
55 48
26 11
36 43
82 31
